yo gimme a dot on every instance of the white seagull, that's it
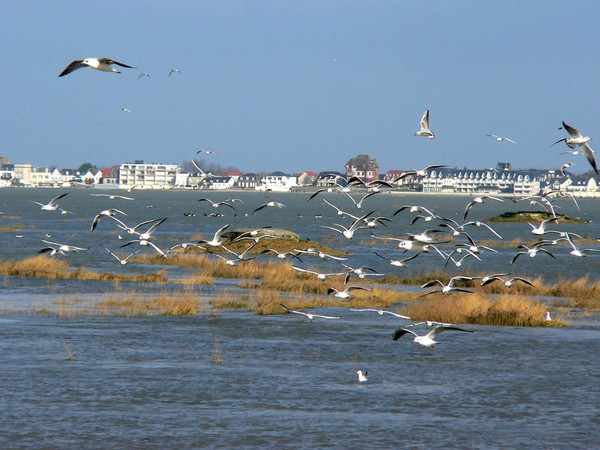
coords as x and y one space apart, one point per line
59 248
575 138
123 261
216 240
398 262
143 74
348 233
541 228
346 292
51 205
174 71
362 377
206 152
479 201
102 64
418 173
269 205
577 251
113 196
216 204
428 339
127 110
310 316
320 276
507 283
449 288
105 213
381 312
425 131
500 138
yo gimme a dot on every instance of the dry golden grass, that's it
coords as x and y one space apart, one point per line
477 309
168 303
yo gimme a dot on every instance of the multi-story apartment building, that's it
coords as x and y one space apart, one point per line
147 175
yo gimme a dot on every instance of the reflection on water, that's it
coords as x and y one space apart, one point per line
283 381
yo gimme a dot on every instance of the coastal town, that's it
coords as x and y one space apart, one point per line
502 179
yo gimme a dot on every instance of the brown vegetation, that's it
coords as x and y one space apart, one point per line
477 309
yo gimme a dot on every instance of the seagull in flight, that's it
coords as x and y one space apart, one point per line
127 110
51 205
105 213
507 283
269 205
59 248
217 204
419 173
398 262
113 196
310 316
216 240
575 138
500 138
381 312
346 292
447 288
102 64
123 261
206 152
479 201
566 166
143 74
425 131
427 340
174 71
320 276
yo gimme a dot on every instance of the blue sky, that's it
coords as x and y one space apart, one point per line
299 85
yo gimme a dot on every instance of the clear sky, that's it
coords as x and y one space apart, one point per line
299 85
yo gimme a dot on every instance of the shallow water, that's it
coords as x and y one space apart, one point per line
284 382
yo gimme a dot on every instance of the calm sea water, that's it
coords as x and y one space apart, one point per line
284 382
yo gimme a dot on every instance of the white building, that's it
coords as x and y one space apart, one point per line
147 175
277 181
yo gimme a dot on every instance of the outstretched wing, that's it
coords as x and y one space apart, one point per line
77 64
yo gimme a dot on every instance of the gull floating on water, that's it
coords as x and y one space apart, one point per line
428 339
310 316
362 377
102 64
425 131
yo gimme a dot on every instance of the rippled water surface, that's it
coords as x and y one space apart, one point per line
283 381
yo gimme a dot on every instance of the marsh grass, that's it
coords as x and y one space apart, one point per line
69 351
217 357
481 310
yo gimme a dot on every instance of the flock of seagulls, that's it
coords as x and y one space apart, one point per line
455 240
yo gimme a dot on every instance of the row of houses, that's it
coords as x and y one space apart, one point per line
500 180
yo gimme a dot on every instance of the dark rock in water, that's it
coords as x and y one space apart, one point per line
278 233
532 216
